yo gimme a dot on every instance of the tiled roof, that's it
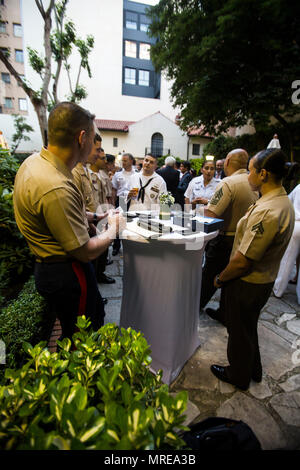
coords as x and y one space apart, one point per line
198 131
111 125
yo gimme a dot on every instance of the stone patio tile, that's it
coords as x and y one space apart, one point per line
253 413
294 326
113 269
260 390
112 290
276 352
266 316
278 306
280 331
112 311
284 318
291 384
287 405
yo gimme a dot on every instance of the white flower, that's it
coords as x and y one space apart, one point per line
166 198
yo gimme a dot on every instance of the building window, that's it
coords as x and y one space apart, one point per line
130 49
145 51
2 27
8 103
130 76
115 142
5 51
196 149
5 77
23 104
144 77
19 55
157 143
17 30
144 23
131 20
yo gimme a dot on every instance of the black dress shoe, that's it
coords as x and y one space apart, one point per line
103 279
105 300
220 373
108 262
214 314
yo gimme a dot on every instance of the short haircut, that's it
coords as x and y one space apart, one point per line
97 138
65 122
110 158
128 155
170 161
186 164
150 155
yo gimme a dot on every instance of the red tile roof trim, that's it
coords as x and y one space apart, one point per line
111 125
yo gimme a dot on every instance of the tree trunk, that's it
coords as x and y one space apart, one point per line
288 132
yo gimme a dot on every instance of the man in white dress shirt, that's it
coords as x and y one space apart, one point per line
146 186
121 187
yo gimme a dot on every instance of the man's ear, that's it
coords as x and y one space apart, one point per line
82 138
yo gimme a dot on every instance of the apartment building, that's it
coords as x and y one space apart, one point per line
130 99
13 99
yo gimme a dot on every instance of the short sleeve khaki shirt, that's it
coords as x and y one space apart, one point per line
98 188
263 234
83 181
107 182
49 208
231 199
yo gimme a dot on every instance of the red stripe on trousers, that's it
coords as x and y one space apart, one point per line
77 268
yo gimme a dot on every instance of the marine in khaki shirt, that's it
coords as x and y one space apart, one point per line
231 200
52 218
263 233
83 181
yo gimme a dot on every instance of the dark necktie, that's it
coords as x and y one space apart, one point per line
141 193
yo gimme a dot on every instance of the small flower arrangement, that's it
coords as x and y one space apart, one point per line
166 198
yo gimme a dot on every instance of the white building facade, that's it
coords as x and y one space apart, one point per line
124 85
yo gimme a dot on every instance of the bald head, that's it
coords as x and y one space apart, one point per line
237 159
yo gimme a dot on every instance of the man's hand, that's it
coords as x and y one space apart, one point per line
117 222
132 193
200 200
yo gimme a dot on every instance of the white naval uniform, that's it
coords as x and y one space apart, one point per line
196 188
121 182
293 249
155 188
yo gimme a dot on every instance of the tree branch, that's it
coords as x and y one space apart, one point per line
40 6
29 91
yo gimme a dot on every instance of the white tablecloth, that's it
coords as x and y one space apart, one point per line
161 295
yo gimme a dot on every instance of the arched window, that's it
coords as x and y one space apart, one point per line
157 143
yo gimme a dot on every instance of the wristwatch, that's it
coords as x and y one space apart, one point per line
217 281
95 218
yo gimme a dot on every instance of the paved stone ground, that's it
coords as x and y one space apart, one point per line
271 408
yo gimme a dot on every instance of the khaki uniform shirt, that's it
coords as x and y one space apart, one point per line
83 181
231 200
49 208
107 182
99 191
263 234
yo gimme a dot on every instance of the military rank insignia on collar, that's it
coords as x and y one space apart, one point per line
258 228
217 197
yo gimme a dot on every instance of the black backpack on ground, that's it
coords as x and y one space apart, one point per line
221 434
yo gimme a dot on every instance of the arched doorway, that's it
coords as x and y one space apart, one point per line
157 143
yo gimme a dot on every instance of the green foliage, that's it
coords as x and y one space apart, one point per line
196 164
220 147
36 61
21 320
15 257
232 69
99 396
21 128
